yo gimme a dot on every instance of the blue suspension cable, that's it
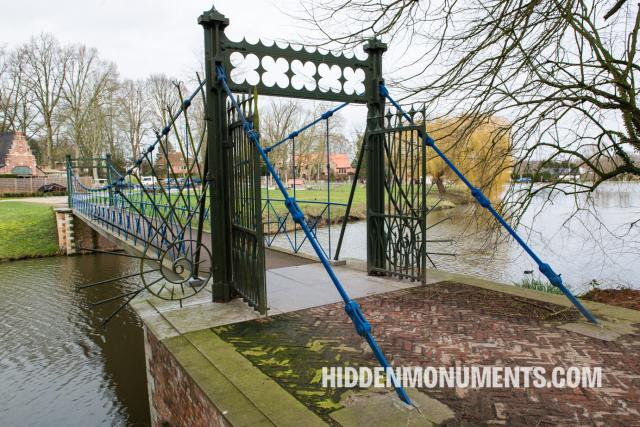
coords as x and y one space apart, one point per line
292 135
363 327
544 268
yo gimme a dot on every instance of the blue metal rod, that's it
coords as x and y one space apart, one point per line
544 268
363 327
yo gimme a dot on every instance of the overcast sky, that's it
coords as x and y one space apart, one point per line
141 36
144 37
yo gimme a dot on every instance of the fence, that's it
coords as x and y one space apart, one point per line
32 184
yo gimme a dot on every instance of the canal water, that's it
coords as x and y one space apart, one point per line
57 365
577 244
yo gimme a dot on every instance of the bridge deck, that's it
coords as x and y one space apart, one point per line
289 288
264 368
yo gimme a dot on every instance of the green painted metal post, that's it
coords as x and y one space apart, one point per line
107 161
218 156
375 158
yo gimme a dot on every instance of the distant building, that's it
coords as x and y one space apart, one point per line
16 157
177 163
298 182
340 165
569 174
563 174
314 167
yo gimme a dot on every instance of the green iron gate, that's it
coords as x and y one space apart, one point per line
247 239
403 215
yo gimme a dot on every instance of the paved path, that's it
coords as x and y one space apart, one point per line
451 324
47 200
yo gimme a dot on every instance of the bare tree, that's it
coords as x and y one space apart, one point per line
7 90
133 115
86 87
163 100
563 73
112 134
280 118
46 67
16 104
163 97
313 144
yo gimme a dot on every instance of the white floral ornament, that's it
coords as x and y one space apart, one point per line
354 81
275 72
329 78
303 75
244 68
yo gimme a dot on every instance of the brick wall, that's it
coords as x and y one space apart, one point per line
74 234
174 398
86 237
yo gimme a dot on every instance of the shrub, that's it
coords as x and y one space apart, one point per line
17 195
537 284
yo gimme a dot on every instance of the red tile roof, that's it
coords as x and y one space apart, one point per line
340 160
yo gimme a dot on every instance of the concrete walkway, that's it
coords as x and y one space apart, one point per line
288 289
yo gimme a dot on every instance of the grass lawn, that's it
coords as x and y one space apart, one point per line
27 230
339 194
318 193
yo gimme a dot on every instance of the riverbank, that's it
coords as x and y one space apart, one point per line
27 230
313 202
627 298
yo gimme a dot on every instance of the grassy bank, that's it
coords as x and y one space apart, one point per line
624 297
312 201
27 230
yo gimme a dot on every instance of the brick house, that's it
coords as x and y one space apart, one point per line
177 162
339 165
16 157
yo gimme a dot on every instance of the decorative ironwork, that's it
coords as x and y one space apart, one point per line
246 217
280 228
362 326
404 218
295 71
158 206
426 140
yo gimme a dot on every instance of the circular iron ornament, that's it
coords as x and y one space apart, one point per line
173 276
405 244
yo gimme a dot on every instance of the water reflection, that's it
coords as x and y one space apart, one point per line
595 244
57 365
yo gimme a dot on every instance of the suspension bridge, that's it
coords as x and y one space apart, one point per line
194 210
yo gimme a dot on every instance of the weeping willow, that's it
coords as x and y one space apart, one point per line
479 146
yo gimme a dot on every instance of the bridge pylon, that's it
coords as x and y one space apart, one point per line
218 157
